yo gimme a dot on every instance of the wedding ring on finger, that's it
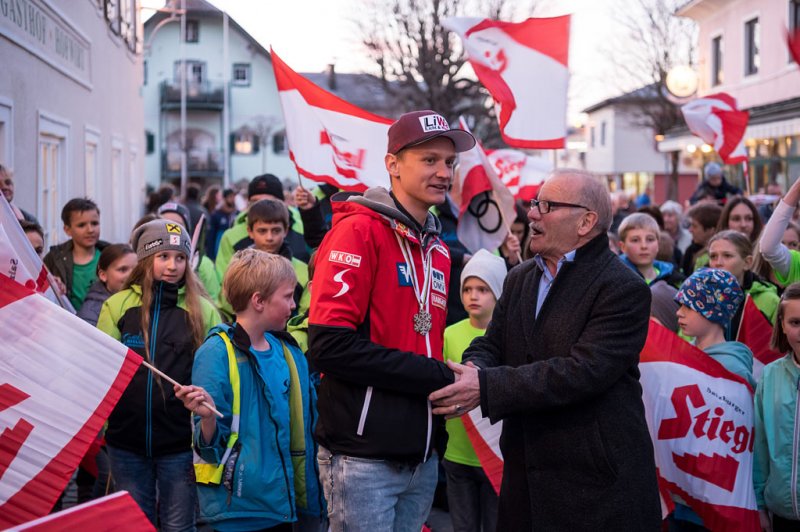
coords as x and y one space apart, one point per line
458 409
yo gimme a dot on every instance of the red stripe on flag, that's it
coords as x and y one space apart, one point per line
755 331
117 512
492 464
717 516
42 284
357 187
287 80
663 345
545 35
475 182
793 41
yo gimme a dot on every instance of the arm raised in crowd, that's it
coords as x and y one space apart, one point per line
770 244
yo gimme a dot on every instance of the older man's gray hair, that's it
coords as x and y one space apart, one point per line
591 193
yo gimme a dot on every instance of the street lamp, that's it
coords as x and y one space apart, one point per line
682 81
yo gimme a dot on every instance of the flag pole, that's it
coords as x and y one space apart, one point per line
176 383
505 222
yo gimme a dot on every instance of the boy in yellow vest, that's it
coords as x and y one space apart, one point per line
470 495
255 466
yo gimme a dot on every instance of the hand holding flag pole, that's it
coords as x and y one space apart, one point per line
176 383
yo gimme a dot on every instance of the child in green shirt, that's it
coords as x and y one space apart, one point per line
470 495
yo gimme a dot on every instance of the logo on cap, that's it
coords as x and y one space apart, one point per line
173 228
433 123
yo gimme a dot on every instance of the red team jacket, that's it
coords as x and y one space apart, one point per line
377 370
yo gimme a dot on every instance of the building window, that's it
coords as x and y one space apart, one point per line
150 142
241 74
794 15
196 72
192 31
603 133
279 143
52 170
91 161
716 61
751 44
591 137
144 72
244 142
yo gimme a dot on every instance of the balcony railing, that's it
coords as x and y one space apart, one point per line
205 95
198 163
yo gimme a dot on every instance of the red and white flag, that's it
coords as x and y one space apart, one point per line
485 439
700 418
519 172
331 140
59 380
716 119
117 512
755 331
487 206
524 66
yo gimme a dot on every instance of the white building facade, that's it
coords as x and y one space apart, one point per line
234 121
71 115
624 151
743 52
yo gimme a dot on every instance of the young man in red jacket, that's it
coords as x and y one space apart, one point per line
376 331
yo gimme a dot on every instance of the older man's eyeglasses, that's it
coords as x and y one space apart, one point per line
546 206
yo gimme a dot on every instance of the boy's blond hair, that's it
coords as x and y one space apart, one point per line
253 271
637 220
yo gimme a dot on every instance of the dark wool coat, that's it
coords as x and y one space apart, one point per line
577 452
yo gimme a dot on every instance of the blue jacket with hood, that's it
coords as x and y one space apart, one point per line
265 490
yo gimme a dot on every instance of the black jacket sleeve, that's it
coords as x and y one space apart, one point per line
314 226
345 354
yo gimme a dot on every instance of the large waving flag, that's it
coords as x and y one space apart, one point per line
755 331
117 512
487 206
331 140
524 66
59 380
700 418
716 119
519 172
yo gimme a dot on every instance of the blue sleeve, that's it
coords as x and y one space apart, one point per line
210 371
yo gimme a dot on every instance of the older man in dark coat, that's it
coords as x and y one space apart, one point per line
559 366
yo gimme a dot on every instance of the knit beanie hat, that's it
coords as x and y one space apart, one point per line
265 184
160 235
183 211
715 294
487 267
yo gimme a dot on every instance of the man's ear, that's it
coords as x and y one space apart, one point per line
392 164
587 223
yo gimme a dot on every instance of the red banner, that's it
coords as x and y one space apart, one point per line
700 417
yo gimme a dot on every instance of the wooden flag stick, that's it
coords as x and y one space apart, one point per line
176 383
505 222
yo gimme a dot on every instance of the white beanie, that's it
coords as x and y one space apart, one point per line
487 267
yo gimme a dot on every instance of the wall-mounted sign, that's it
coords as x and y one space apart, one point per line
43 31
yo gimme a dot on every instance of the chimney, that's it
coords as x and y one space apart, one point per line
331 77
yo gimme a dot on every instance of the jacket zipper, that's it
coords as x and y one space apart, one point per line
278 446
320 495
795 445
429 434
149 400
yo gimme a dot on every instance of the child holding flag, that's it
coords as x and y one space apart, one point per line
255 467
708 300
162 314
775 460
470 494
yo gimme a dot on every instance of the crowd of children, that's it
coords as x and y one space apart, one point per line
215 319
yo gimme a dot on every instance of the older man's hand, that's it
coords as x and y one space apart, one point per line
461 396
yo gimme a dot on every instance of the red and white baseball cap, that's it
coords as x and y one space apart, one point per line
417 127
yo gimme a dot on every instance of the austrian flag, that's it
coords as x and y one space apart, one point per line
716 119
330 140
524 66
59 380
